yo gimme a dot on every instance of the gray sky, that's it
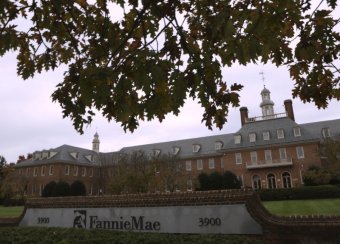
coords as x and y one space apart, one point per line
30 121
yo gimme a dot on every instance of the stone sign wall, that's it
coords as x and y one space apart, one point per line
226 219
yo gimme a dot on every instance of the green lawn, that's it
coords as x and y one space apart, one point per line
11 211
304 207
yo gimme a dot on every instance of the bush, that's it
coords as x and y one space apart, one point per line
216 181
14 202
48 189
300 193
62 189
77 188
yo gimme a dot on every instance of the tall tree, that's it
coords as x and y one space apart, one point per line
145 64
2 167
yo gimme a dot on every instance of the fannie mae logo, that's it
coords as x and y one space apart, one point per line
81 220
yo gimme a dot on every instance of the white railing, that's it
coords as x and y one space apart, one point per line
260 118
269 163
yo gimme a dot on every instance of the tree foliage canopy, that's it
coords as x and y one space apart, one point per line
139 60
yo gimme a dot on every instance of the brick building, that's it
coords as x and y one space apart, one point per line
269 151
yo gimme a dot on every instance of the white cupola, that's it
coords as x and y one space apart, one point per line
95 143
266 105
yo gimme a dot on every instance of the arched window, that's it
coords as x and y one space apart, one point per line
256 182
286 180
271 181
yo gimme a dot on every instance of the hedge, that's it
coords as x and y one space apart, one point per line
300 193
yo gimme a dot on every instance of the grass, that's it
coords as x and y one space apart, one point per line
11 211
304 207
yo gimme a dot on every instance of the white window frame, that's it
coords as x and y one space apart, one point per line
83 171
75 170
268 155
43 170
188 165
196 148
238 158
253 155
175 150
35 171
280 134
51 170
211 163
218 145
283 153
67 170
91 172
237 139
199 164
300 152
240 179
266 135
297 131
252 137
326 132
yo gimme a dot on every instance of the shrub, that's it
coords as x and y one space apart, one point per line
48 189
61 189
77 188
300 193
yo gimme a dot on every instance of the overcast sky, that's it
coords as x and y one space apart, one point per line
30 121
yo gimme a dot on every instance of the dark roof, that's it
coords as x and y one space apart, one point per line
63 154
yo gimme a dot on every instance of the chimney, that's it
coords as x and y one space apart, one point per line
244 115
289 109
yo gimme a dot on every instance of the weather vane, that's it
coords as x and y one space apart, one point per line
263 80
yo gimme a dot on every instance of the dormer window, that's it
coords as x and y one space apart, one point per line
218 145
156 152
196 148
237 139
75 155
175 150
266 136
51 154
44 155
252 137
297 131
326 132
90 158
280 134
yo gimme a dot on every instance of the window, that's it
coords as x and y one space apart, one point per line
196 148
188 165
218 145
67 170
238 158
326 132
91 172
35 172
156 152
211 163
27 171
286 180
268 155
43 169
297 131
300 153
266 135
83 171
75 170
252 137
237 139
51 170
256 182
199 164
283 153
271 181
20 171
253 157
280 134
175 150
75 155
